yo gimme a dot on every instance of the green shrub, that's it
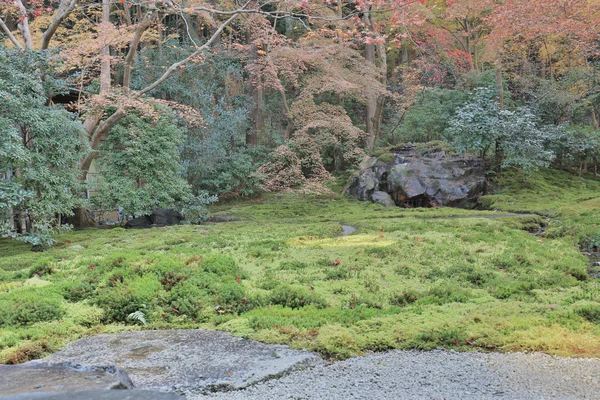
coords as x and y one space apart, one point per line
128 297
75 291
386 157
336 274
590 313
295 297
292 265
516 290
232 298
445 293
28 306
221 266
190 297
42 267
405 297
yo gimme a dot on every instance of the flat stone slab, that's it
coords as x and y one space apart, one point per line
187 361
38 377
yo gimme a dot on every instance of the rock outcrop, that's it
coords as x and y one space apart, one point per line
411 176
158 218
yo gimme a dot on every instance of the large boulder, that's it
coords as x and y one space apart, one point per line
420 177
160 217
164 217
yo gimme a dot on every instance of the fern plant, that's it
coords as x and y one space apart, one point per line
137 316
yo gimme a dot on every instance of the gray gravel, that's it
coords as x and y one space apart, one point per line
434 375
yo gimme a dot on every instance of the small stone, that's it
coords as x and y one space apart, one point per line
36 282
76 247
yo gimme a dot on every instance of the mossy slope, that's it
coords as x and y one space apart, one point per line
283 274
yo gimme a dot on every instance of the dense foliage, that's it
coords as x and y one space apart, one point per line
140 167
283 97
40 148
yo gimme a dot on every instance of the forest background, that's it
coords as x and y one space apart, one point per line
158 104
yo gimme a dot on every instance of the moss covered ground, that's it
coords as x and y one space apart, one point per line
282 273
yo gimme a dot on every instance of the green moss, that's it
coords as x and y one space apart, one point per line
386 157
26 306
408 278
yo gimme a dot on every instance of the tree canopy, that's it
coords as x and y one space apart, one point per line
170 102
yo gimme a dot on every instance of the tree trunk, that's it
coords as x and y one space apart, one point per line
133 45
500 93
290 124
23 25
371 105
64 9
371 111
499 83
595 119
105 52
257 110
257 115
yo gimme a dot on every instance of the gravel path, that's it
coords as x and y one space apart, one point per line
435 375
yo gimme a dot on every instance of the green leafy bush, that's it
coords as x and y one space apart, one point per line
28 306
41 145
295 297
190 297
42 267
140 166
518 136
232 297
77 290
128 297
429 116
590 313
405 297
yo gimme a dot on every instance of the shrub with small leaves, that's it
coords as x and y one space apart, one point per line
26 306
295 297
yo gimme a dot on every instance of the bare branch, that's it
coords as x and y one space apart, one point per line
99 133
24 25
8 33
181 63
133 45
65 8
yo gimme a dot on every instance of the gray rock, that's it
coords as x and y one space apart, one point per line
76 247
158 218
382 198
348 230
187 361
43 377
421 177
142 222
165 217
97 395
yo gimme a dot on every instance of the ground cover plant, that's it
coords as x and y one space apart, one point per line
282 273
